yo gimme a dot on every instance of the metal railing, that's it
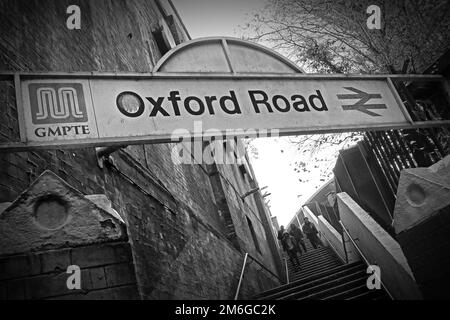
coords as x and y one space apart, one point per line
287 270
244 266
363 257
336 251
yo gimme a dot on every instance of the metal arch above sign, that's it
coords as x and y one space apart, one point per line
212 94
224 55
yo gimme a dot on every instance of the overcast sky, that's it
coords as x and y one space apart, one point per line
274 165
207 18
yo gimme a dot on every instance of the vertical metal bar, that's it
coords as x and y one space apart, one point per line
414 135
287 270
404 146
391 162
374 152
393 156
436 143
376 184
397 149
240 278
384 164
19 106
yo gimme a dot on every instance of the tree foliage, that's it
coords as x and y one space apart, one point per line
331 36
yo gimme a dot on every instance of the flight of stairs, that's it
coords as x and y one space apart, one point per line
322 277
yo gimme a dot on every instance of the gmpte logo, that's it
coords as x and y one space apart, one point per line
53 103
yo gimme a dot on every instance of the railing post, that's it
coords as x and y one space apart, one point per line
240 278
287 271
246 257
343 243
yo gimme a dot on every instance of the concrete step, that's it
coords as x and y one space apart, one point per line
311 281
332 290
324 276
311 278
314 286
313 270
370 295
314 259
358 290
328 287
312 252
314 255
302 270
318 261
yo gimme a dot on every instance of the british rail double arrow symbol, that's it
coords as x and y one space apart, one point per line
361 104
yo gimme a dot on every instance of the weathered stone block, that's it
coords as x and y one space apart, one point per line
16 289
86 281
98 255
46 285
98 278
119 293
120 274
19 266
55 260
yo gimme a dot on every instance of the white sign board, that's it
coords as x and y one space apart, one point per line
151 109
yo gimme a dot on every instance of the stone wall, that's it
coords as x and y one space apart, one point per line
176 231
107 272
52 228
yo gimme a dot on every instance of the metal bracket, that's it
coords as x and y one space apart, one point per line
103 154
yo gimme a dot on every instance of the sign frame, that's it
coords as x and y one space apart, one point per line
23 144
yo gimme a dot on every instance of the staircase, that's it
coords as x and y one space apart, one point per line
323 277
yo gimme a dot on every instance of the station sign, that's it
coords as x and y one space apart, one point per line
131 110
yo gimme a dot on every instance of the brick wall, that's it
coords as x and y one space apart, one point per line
240 209
175 228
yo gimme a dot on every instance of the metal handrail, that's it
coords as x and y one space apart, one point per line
363 257
240 278
344 245
335 250
264 267
244 265
287 271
